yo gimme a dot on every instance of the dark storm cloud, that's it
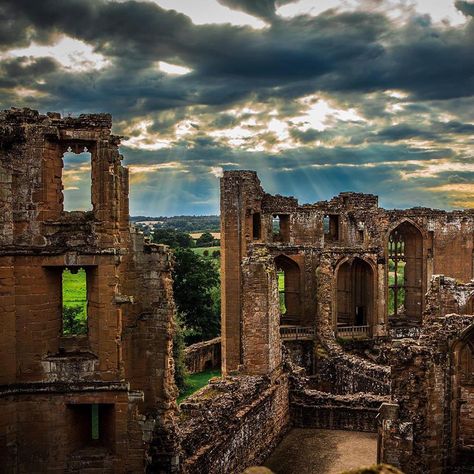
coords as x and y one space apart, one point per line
334 51
260 8
465 7
434 131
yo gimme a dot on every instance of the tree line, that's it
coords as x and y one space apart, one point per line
196 287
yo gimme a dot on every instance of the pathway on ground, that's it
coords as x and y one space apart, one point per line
309 451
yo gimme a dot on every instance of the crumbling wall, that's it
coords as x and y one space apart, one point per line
203 356
233 423
341 373
419 432
315 409
122 367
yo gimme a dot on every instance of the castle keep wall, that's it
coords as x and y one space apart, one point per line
119 373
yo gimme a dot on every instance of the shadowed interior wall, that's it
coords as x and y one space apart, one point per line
354 293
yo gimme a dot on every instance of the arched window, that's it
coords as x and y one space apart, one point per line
354 293
405 271
288 273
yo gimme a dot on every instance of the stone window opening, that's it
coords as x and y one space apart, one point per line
405 260
77 180
256 226
281 227
288 275
281 291
354 295
74 293
331 227
92 425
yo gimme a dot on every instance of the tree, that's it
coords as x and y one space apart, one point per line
180 371
172 237
74 320
195 280
205 240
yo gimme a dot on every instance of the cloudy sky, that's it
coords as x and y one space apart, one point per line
318 96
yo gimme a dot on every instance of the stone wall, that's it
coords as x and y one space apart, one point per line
203 356
430 425
315 409
328 244
121 369
233 423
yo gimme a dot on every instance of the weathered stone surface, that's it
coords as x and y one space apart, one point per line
338 261
124 363
233 423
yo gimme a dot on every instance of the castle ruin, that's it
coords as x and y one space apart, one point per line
338 314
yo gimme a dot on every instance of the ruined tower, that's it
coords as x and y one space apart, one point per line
74 399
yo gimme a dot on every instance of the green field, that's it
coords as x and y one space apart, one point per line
74 302
197 381
200 250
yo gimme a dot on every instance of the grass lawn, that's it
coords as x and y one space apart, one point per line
197 381
75 290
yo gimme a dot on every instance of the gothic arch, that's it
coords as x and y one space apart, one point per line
354 299
405 271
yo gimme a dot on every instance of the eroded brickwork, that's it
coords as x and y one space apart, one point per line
122 370
430 425
233 423
358 285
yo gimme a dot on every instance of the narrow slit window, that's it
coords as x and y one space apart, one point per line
256 227
74 301
276 225
396 274
281 228
95 434
92 424
76 180
281 291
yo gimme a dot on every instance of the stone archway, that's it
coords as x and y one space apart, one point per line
355 294
405 272
288 272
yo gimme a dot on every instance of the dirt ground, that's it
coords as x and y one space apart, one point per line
308 451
